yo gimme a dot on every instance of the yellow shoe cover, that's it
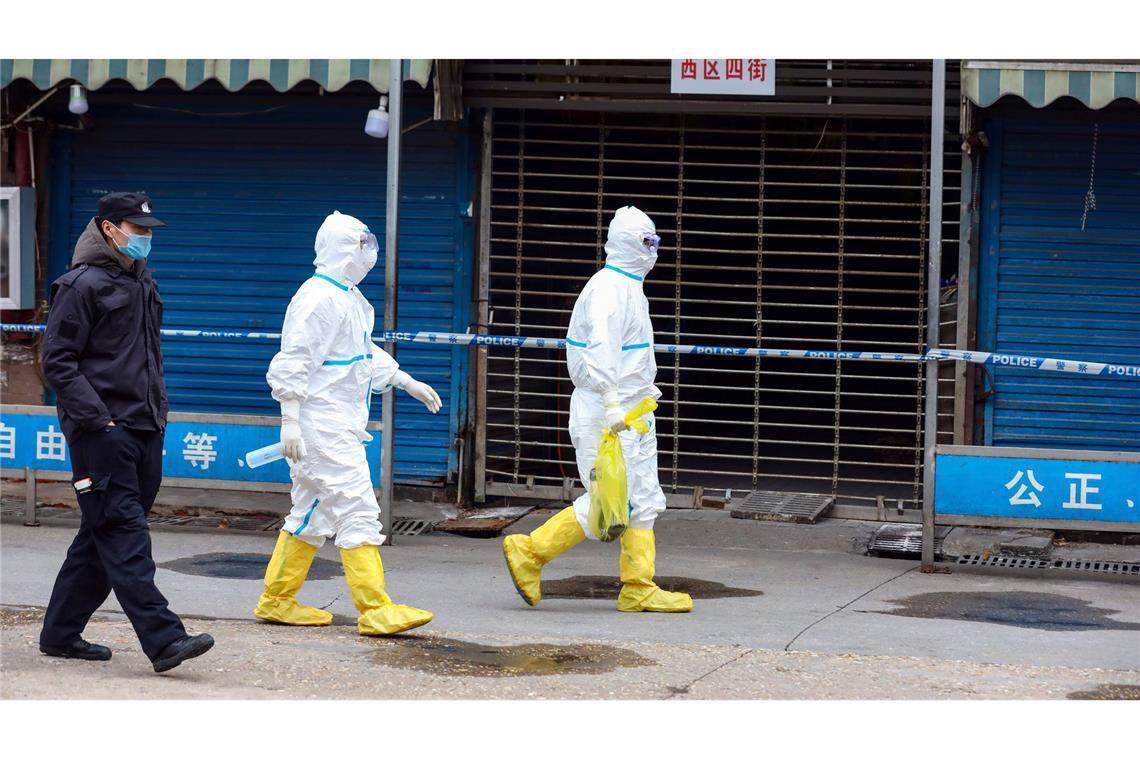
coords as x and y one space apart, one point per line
391 618
284 576
638 592
378 615
526 555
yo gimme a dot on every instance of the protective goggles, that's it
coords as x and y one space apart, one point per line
651 242
368 242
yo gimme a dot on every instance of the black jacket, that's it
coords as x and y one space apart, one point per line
102 354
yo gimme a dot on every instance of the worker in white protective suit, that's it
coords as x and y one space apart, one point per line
323 377
610 358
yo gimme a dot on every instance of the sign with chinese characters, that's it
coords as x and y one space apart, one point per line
723 76
1037 484
203 447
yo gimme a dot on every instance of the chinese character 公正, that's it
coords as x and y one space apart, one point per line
1085 491
1019 499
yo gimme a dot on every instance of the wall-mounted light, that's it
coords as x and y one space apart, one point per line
377 123
77 102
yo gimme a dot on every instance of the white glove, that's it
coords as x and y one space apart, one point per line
615 417
292 445
421 392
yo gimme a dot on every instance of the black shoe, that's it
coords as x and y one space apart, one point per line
78 650
183 649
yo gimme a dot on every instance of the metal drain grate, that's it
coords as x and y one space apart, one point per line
903 540
1131 569
782 506
1016 563
259 523
168 520
229 522
405 527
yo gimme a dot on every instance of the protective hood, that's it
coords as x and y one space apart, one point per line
340 253
93 249
624 248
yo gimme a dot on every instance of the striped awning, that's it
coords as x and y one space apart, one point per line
1039 83
233 73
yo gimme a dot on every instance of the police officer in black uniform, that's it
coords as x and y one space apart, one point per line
102 357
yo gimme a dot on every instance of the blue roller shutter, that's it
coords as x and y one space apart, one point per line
243 196
1051 289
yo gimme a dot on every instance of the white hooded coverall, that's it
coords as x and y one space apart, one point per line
329 363
610 351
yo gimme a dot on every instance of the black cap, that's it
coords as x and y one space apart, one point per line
131 207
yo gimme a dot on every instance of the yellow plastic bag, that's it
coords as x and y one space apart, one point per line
609 495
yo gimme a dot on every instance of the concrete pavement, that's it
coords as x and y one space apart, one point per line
767 596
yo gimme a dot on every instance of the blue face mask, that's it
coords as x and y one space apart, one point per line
137 247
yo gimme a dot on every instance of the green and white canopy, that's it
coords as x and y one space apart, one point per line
233 73
1039 83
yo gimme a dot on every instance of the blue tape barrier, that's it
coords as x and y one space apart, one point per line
462 340
1098 369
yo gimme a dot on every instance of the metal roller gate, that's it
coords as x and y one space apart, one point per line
780 231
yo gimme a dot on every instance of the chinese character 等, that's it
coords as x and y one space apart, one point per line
689 68
1086 489
711 71
1018 499
50 445
199 451
7 442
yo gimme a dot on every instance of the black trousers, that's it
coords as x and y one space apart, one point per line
112 550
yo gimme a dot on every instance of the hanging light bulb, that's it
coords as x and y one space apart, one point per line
77 103
377 123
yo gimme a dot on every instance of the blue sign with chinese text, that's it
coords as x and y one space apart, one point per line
203 450
1038 488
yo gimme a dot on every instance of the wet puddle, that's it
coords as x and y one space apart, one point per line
452 657
1046 612
608 587
1109 691
243 566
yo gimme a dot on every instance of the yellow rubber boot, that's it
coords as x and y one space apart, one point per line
638 592
284 576
379 616
527 554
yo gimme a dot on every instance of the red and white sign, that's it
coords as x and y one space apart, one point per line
723 76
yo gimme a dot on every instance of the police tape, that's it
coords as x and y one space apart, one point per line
1077 367
464 340
510 341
